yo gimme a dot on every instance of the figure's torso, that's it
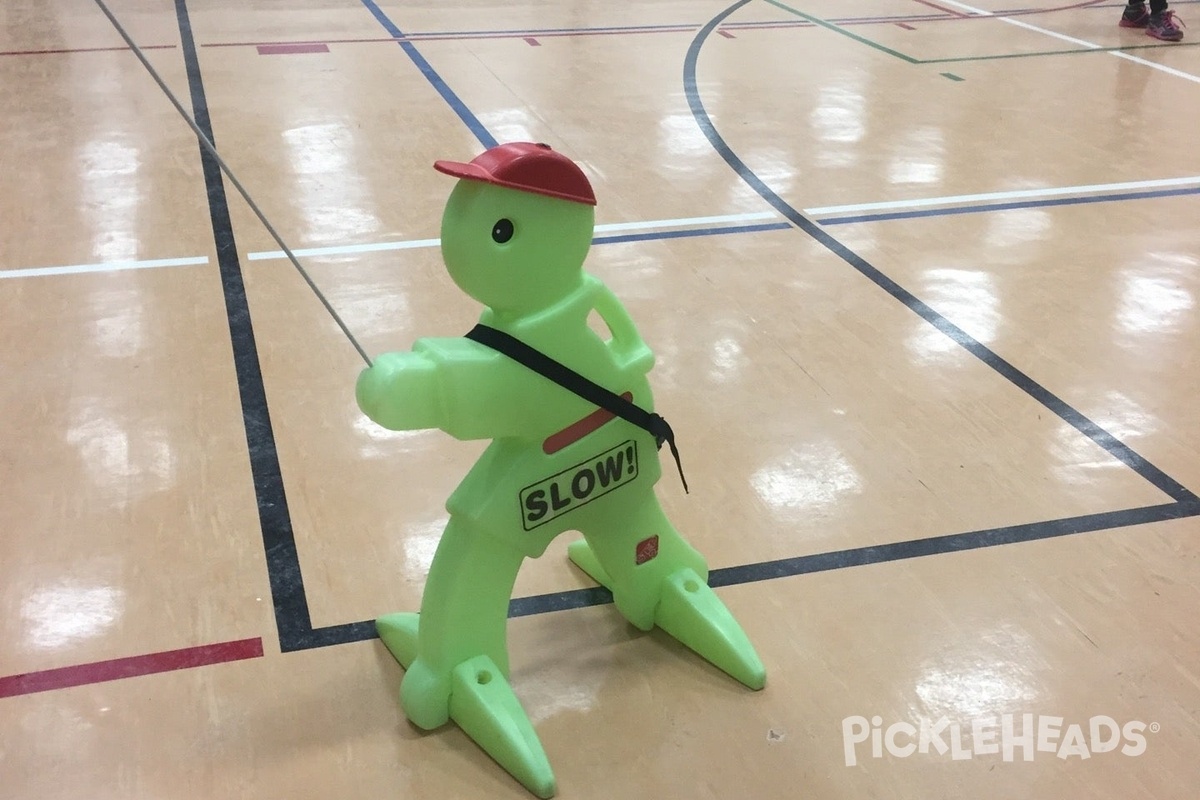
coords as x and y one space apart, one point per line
571 459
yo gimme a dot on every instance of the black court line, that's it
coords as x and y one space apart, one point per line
1116 448
822 562
283 565
283 561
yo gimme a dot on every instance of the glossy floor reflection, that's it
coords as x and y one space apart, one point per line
923 295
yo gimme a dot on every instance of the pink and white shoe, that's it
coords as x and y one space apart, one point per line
1165 26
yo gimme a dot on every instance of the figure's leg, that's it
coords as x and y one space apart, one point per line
659 579
455 654
616 545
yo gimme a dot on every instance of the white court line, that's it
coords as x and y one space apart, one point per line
347 249
111 266
681 223
1187 76
1022 194
1177 73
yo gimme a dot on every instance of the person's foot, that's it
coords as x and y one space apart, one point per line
1165 26
1135 16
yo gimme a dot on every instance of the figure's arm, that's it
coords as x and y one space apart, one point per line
400 392
456 385
627 344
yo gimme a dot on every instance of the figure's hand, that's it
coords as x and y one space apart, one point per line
399 391
372 386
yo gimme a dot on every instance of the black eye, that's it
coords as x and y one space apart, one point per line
502 231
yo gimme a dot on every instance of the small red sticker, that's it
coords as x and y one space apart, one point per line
647 549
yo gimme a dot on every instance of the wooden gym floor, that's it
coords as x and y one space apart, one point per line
922 280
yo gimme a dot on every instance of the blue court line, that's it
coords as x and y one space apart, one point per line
689 232
481 133
1009 206
646 236
717 230
1019 204
1040 394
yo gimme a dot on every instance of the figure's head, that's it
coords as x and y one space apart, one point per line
517 227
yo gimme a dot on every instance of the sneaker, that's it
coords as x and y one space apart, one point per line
1165 26
1135 16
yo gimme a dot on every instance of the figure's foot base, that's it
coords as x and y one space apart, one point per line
399 635
424 691
484 705
476 696
690 611
581 555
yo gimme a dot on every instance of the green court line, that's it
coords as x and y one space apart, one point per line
844 32
1054 52
952 76
964 59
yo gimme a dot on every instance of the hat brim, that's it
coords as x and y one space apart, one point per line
474 172
461 170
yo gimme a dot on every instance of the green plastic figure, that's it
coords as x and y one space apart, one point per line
515 232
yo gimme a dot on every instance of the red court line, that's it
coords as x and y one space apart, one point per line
1019 12
64 51
451 36
307 42
131 667
459 37
947 15
540 34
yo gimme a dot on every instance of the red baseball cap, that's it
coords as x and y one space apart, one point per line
528 167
